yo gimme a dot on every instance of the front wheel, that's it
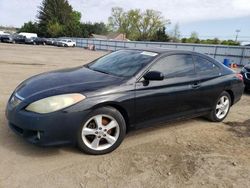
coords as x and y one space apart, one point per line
102 132
221 109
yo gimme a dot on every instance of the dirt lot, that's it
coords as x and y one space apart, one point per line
193 153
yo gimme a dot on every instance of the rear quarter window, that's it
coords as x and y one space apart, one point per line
204 66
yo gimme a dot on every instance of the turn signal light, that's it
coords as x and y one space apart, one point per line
240 77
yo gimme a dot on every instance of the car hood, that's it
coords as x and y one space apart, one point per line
74 80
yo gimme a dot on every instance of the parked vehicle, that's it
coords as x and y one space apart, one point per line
56 42
66 43
246 75
7 38
28 35
19 39
96 104
50 41
2 34
31 40
41 41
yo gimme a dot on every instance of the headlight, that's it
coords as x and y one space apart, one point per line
54 103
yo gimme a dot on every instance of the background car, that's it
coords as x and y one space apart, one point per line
7 38
66 43
94 105
19 39
50 41
30 40
39 41
246 75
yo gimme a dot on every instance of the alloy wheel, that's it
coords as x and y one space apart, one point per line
100 132
222 107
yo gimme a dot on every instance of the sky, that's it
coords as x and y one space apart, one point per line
209 18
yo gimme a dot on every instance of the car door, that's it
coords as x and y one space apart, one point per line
211 85
177 95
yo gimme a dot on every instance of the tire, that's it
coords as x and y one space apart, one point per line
214 114
65 45
98 139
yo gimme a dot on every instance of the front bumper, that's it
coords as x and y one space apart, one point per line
57 128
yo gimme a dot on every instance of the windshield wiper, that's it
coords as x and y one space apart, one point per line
97 70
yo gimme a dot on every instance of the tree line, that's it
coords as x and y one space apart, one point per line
57 18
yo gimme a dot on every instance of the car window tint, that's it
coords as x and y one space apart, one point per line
124 63
204 65
175 66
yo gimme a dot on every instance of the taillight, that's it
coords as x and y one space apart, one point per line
239 76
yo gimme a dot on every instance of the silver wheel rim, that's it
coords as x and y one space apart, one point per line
222 107
98 134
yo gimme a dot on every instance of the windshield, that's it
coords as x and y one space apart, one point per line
123 63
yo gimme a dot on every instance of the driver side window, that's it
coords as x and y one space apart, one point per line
180 65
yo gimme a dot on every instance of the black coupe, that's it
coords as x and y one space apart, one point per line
94 105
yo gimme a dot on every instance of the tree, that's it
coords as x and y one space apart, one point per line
29 27
93 28
161 35
194 35
193 38
230 42
135 24
54 29
176 34
119 21
73 26
58 14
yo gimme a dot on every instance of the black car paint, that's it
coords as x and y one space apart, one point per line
20 39
141 103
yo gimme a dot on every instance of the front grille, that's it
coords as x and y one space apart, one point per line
14 101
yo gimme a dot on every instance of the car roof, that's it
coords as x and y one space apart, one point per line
160 50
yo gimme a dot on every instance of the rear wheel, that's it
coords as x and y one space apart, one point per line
102 132
221 109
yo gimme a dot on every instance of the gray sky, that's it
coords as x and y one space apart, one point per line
185 12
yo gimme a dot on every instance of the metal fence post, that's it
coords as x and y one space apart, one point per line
215 51
242 55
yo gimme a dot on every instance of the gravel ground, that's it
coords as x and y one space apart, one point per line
192 153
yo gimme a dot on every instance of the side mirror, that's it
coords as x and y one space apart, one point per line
153 75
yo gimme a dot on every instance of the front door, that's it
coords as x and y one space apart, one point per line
177 95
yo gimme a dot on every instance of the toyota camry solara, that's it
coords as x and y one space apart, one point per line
95 105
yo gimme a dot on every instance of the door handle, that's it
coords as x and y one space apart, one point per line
196 85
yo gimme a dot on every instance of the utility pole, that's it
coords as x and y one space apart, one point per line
237 34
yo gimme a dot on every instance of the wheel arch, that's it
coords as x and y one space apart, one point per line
230 92
119 108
